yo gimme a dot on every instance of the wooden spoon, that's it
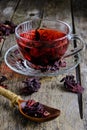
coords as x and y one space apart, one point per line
17 100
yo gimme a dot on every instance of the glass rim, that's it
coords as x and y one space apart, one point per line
64 23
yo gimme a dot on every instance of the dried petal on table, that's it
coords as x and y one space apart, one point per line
31 85
7 28
70 84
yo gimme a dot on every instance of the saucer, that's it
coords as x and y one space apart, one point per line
17 63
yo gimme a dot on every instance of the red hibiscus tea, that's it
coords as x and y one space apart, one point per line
42 42
42 47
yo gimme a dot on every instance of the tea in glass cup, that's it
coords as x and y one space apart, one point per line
43 42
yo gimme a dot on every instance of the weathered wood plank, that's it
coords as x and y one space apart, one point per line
28 9
66 16
80 13
7 8
51 91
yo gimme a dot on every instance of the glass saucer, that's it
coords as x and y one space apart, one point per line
17 63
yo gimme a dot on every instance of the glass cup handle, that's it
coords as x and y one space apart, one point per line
78 45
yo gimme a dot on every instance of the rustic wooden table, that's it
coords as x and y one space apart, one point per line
50 92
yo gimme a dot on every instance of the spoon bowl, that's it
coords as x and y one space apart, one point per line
17 100
53 113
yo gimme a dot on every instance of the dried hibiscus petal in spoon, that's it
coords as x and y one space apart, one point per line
71 85
31 85
34 109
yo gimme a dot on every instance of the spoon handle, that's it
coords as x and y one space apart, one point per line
10 95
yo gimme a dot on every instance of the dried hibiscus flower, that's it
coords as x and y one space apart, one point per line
34 109
31 85
7 28
56 66
71 85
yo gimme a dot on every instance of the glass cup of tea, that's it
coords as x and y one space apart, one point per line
42 42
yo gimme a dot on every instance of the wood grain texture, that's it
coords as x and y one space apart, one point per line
51 92
7 8
80 14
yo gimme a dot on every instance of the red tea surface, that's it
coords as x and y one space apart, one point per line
43 47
